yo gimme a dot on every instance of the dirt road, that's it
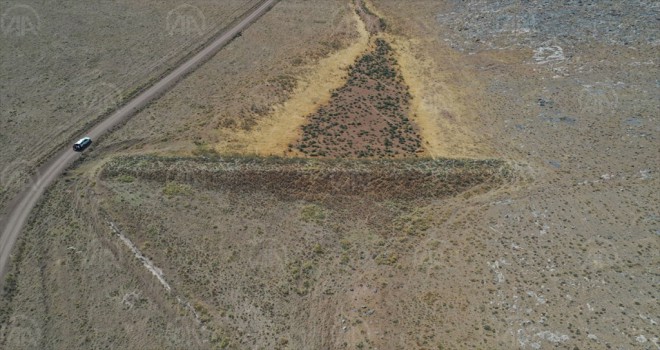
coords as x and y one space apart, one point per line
28 198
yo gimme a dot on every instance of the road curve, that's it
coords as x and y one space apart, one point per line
24 203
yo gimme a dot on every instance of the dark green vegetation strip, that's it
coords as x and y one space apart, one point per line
317 178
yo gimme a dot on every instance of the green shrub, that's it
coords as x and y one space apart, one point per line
312 213
126 178
176 189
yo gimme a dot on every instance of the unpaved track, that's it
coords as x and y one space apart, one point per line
26 200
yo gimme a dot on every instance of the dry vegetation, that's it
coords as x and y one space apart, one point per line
276 265
557 247
366 118
246 82
372 22
308 179
81 61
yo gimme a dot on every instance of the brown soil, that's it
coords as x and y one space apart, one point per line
307 179
367 117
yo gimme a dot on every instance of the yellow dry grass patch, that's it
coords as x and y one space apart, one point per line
440 109
273 134
442 106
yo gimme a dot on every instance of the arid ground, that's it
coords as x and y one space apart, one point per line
64 65
515 205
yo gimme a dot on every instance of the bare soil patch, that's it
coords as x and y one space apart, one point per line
367 117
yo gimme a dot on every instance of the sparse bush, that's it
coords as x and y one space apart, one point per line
340 123
176 189
126 178
389 258
312 213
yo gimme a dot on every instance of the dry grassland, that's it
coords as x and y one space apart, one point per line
77 61
553 246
